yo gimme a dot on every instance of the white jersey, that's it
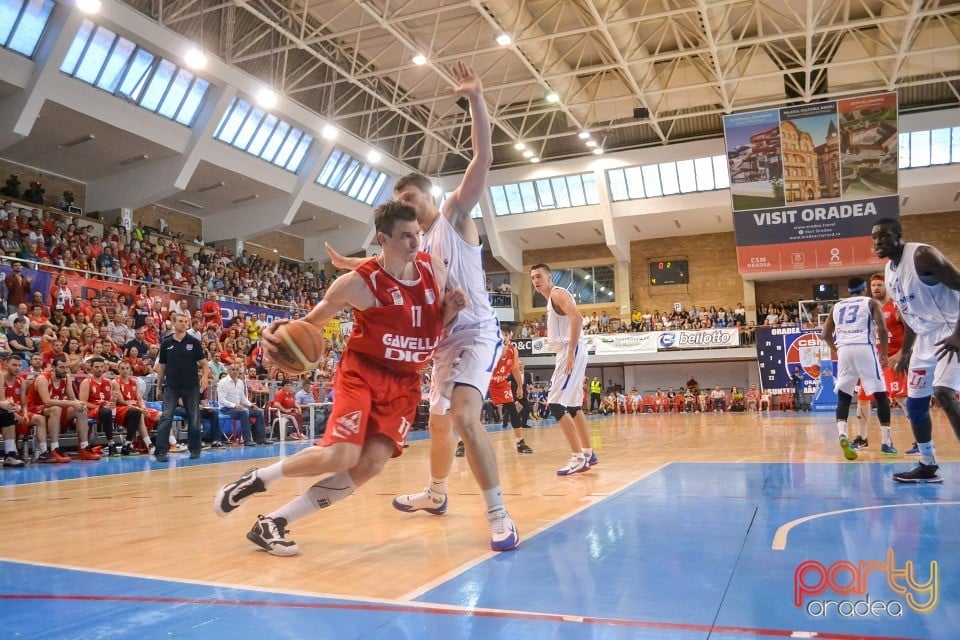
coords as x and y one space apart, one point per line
558 326
925 308
853 321
464 264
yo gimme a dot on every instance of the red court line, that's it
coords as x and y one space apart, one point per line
447 611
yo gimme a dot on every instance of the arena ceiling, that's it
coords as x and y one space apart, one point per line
633 73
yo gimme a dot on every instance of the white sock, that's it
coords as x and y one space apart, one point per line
324 493
146 441
9 446
438 486
841 428
885 432
270 474
43 447
84 444
588 452
493 498
927 452
54 445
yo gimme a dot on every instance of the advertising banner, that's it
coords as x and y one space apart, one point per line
625 343
779 351
702 339
646 342
808 182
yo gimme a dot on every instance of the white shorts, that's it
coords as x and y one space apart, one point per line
926 372
566 389
466 356
858 362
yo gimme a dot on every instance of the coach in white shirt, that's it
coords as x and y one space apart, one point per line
232 395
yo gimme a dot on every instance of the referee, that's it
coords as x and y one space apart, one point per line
180 355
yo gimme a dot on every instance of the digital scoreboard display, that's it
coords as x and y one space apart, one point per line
669 272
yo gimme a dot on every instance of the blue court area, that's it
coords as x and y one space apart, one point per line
719 550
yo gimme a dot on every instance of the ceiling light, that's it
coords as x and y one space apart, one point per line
76 141
528 153
373 157
534 160
503 39
586 277
211 187
190 203
88 6
584 135
195 59
591 143
519 146
598 151
419 59
435 191
553 97
266 98
329 132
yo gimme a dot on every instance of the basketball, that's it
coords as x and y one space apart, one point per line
302 347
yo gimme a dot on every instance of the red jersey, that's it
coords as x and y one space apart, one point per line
402 329
500 391
58 390
894 327
13 390
100 392
128 389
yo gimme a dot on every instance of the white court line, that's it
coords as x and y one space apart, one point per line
780 538
453 573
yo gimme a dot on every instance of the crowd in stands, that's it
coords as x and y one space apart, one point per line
52 239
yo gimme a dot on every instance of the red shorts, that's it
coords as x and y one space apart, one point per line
895 383
64 420
367 400
500 395
121 417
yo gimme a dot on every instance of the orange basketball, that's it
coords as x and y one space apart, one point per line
301 349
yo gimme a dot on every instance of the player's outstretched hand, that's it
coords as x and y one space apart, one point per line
468 82
336 258
455 300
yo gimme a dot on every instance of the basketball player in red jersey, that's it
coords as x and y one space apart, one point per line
14 418
97 393
896 383
52 396
501 391
132 412
400 307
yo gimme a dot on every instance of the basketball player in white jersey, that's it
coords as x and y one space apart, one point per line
565 336
469 349
925 286
850 330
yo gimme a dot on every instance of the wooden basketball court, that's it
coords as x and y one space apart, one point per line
125 523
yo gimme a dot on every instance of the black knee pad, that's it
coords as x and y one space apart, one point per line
573 411
883 408
557 411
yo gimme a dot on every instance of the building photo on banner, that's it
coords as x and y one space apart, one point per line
808 182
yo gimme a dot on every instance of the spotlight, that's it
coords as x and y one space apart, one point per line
373 157
419 59
329 132
195 59
266 98
503 40
553 97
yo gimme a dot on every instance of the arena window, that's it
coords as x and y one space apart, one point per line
588 285
263 135
929 148
351 177
559 192
22 24
668 178
107 61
